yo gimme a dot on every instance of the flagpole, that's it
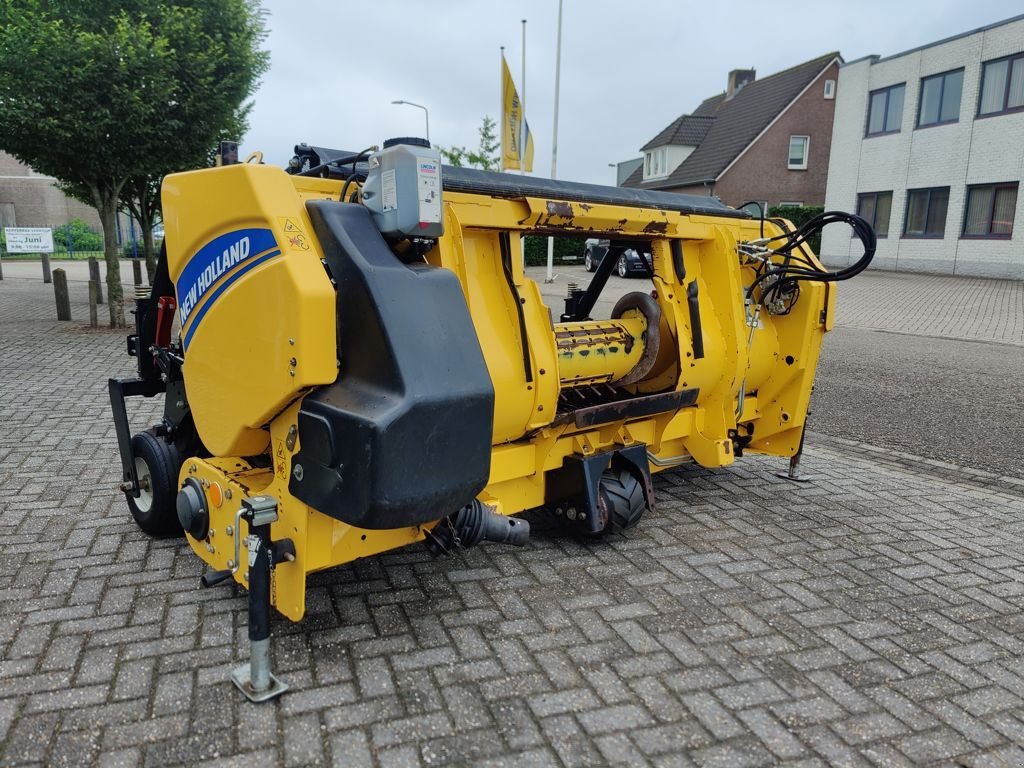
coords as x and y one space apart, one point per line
501 110
554 139
522 102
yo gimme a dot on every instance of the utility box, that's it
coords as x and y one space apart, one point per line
403 189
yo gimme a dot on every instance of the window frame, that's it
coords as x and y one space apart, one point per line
874 211
942 92
967 203
789 152
887 90
1006 88
906 214
830 92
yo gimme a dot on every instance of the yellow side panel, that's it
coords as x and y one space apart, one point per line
256 307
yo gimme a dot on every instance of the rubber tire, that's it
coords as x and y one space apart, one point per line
624 496
164 463
588 262
622 268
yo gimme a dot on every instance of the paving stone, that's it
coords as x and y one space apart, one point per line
872 617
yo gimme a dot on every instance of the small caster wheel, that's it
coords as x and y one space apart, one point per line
157 464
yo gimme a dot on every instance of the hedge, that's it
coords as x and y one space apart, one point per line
568 250
799 214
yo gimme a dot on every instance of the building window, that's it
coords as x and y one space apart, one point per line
798 146
926 212
990 210
885 110
940 98
1002 85
830 89
875 208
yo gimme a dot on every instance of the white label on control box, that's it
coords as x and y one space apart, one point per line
389 190
428 182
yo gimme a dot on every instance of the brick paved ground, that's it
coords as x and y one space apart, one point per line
870 618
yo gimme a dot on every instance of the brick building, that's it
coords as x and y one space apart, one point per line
30 199
766 140
928 145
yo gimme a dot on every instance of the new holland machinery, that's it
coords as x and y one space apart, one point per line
353 360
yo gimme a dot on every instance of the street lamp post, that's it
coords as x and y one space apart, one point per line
426 114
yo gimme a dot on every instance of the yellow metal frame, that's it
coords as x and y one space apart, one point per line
773 366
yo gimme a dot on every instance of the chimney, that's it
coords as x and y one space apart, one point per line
737 79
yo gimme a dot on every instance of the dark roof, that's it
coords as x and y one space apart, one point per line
737 122
685 130
709 106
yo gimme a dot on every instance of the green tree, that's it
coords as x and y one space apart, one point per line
486 156
98 92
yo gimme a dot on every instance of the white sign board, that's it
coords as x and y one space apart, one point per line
29 239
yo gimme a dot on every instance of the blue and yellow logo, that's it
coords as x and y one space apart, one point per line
215 268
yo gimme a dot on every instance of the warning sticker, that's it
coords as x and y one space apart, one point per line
389 190
428 183
279 461
294 234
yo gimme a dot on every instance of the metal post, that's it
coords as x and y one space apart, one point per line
1 268
60 293
794 462
47 275
522 102
94 276
255 679
94 293
554 140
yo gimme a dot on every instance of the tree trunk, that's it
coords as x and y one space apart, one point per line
115 295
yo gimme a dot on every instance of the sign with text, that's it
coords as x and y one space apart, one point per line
29 239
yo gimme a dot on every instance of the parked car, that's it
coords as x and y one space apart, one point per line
629 263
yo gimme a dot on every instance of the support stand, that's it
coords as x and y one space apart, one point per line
255 679
793 475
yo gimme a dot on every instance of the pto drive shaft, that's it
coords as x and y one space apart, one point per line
472 524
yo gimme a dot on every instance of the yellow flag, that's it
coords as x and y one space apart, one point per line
516 139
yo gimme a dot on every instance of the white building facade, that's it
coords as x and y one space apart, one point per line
928 145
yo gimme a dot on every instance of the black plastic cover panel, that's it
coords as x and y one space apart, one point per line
403 436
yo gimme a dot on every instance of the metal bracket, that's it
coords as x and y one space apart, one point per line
259 510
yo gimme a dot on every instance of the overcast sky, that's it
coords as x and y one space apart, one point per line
628 68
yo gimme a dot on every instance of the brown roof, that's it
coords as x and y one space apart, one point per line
737 122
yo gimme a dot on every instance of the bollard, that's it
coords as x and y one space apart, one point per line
94 276
94 294
137 271
47 277
1 269
60 293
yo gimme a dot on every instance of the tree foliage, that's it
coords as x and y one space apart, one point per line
486 156
97 92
